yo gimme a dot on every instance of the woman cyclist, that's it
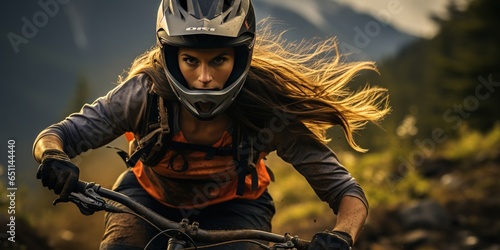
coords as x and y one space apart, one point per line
203 108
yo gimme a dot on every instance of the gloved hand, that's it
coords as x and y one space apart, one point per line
331 240
58 172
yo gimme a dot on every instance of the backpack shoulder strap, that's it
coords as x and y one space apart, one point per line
245 156
154 134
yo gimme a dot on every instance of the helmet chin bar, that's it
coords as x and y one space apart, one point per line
202 113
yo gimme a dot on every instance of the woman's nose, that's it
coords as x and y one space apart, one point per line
205 77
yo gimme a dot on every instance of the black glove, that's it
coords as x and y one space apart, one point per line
331 240
58 172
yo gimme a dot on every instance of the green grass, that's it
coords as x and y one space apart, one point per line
385 181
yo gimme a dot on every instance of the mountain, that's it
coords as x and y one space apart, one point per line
359 35
46 48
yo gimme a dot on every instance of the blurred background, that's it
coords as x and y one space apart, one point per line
431 175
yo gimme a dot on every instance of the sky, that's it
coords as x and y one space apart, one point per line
411 16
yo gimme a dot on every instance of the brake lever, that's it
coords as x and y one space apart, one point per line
88 203
284 245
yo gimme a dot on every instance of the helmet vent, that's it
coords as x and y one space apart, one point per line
206 107
208 9
183 4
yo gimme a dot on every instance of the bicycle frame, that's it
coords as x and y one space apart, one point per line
89 199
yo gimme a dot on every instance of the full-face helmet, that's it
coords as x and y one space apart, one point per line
206 24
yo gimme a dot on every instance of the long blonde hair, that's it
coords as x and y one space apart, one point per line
307 80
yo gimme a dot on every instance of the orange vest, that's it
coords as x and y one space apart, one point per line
187 180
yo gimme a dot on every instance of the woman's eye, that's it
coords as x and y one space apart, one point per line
190 61
219 60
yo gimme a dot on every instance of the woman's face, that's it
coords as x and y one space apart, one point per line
206 69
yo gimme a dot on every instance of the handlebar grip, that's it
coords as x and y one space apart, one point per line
82 185
302 244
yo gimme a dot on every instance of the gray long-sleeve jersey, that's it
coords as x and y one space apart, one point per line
122 109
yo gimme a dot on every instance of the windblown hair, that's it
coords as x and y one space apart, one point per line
306 80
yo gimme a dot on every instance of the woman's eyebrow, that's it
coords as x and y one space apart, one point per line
223 54
218 55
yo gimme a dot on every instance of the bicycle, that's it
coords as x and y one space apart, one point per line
89 197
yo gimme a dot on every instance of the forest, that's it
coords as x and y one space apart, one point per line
430 175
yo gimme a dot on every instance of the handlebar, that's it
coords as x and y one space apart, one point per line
88 197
